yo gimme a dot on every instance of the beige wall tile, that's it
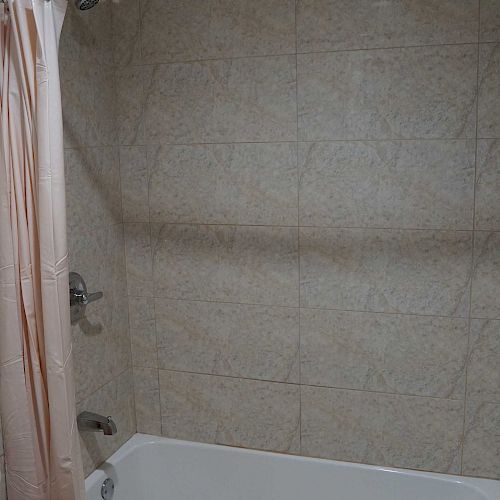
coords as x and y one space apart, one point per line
248 264
412 184
229 339
488 185
412 355
483 371
230 411
130 101
420 272
98 46
126 27
77 94
412 93
489 91
363 24
482 440
486 278
101 342
71 37
3 492
86 36
490 21
117 400
224 183
201 29
143 332
399 431
236 100
147 400
134 183
92 187
105 105
139 263
89 104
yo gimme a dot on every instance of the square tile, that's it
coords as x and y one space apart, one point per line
324 25
414 272
134 183
483 371
482 441
130 97
488 185
485 295
208 29
143 332
236 412
230 100
245 264
488 119
412 355
92 188
147 400
490 21
139 259
389 184
381 429
411 93
236 340
224 183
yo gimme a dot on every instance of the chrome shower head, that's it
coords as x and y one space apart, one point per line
86 4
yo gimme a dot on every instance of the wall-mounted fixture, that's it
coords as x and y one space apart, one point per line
85 4
79 298
93 422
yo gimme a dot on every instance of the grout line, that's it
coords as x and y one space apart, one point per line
298 219
126 279
299 141
152 283
301 53
157 367
318 386
464 422
313 308
303 226
392 47
302 307
166 143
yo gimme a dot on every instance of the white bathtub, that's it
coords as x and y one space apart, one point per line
154 468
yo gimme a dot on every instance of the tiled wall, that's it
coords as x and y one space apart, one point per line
95 228
310 193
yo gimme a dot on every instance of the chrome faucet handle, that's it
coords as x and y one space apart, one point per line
87 298
79 297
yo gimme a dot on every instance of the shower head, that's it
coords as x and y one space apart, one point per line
86 4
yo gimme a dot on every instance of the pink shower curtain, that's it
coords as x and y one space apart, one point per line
36 381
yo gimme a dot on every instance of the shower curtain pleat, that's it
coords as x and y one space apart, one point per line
36 377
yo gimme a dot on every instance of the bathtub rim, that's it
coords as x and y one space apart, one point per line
490 487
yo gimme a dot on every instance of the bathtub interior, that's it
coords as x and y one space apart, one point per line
151 468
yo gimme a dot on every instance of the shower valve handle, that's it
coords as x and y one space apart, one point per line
79 298
86 298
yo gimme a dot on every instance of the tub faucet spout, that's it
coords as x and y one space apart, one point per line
93 422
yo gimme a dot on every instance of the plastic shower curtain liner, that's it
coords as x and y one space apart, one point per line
37 398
